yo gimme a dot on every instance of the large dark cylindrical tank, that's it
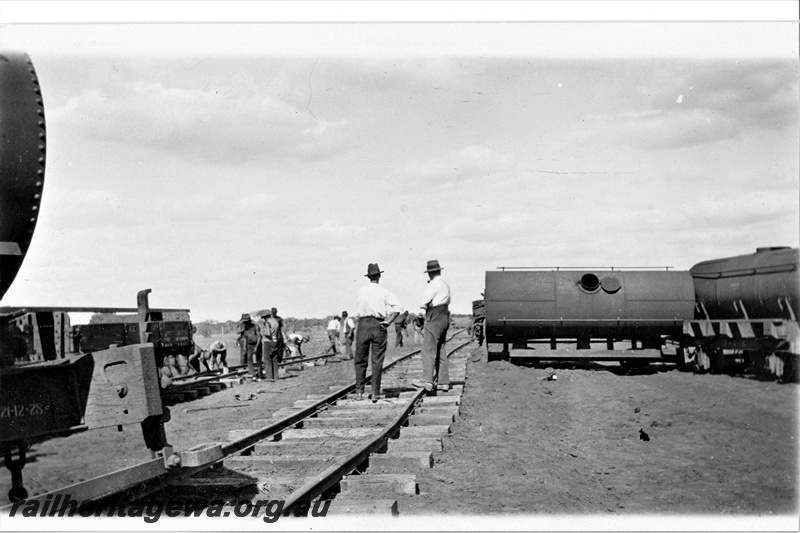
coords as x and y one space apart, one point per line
765 284
22 158
526 305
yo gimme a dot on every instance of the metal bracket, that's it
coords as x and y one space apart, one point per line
171 459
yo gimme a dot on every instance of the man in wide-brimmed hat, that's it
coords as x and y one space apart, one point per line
435 305
377 309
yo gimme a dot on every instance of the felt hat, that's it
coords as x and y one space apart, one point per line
344 313
245 318
373 270
433 266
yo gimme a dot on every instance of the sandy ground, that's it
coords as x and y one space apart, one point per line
718 445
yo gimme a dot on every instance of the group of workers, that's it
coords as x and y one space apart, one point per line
262 345
340 330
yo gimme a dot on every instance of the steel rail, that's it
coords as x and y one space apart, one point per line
236 369
256 436
332 475
150 476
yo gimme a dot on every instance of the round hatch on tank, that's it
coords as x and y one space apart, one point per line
610 285
589 282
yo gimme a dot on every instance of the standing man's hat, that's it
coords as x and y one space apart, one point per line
373 270
344 313
245 318
433 266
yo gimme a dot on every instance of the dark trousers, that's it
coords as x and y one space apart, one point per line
220 357
369 334
332 335
398 339
242 352
435 366
254 363
270 359
347 341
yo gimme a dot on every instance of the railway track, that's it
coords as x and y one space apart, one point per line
356 455
187 388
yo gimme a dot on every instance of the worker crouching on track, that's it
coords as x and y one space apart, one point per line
219 356
377 309
269 346
295 342
435 303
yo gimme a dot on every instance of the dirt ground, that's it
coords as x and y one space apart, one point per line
718 445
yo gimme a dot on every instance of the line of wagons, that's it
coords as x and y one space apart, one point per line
735 314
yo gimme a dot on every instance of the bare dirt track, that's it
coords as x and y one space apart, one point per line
719 445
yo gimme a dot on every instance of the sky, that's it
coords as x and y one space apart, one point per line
235 167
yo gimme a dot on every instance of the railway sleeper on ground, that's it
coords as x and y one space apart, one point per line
280 465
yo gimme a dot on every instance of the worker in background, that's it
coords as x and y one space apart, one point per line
171 362
295 342
377 309
435 304
348 330
250 346
269 345
280 336
192 362
219 356
333 333
418 322
399 326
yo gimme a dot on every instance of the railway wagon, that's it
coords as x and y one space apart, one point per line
171 333
46 335
60 395
578 308
746 314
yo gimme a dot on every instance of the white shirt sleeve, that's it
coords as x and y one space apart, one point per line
427 297
393 303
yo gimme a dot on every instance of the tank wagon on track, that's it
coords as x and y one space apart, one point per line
534 314
746 312
722 315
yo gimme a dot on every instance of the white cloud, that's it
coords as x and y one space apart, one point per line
202 123
468 161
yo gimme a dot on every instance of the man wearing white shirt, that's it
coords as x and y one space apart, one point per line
435 305
348 334
333 333
377 309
